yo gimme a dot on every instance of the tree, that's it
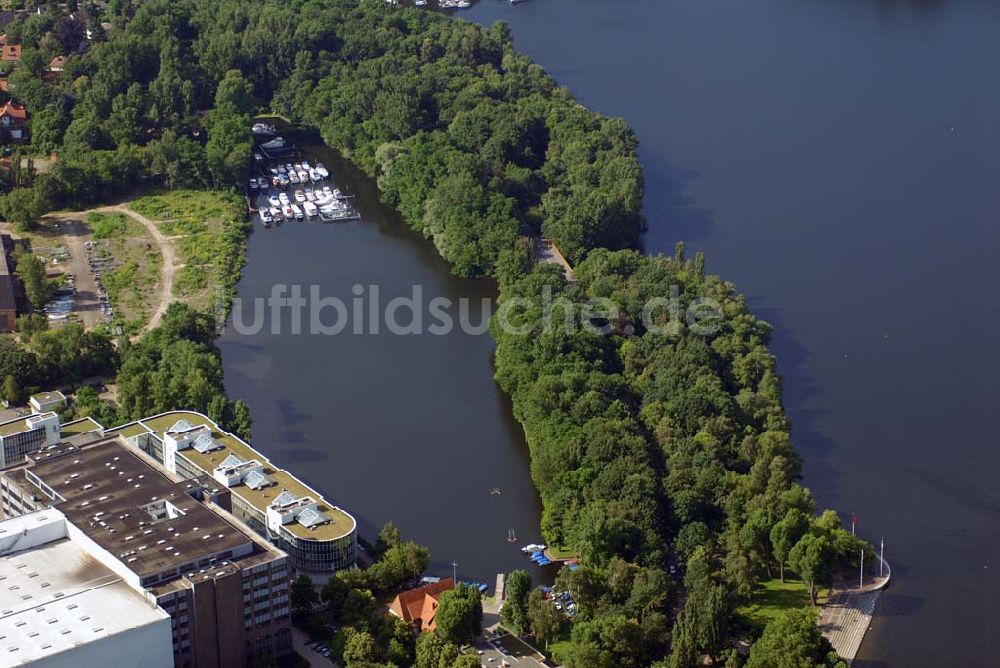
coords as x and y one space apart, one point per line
360 609
242 422
543 618
303 594
12 392
235 95
359 647
334 593
812 559
23 207
388 536
514 614
459 614
785 534
793 640
37 287
433 651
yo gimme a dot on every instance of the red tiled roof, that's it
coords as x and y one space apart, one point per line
10 52
418 606
4 85
14 110
57 63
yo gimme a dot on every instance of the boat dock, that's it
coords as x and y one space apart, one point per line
284 187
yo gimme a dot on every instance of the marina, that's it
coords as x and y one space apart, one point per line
284 186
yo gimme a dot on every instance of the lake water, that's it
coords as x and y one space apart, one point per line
840 161
410 429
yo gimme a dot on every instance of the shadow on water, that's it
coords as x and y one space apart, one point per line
670 211
800 389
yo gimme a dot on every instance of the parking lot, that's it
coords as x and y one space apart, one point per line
506 651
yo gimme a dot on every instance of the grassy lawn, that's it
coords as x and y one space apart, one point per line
772 598
209 232
132 266
557 552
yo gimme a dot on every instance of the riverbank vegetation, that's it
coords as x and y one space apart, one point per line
662 454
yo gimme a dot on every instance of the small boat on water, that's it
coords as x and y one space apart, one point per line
304 176
262 130
287 212
276 143
293 177
275 214
310 209
265 217
253 184
321 170
315 175
296 211
305 165
300 196
533 547
273 200
310 195
283 198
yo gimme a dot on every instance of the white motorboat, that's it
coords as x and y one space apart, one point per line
293 177
274 200
283 198
310 209
322 170
265 216
277 142
300 196
275 213
296 211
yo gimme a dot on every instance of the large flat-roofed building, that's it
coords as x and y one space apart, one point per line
226 591
319 537
63 607
24 435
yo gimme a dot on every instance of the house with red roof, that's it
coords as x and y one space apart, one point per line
10 53
419 606
12 119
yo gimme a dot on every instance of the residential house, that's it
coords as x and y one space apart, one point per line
12 119
10 53
57 64
419 606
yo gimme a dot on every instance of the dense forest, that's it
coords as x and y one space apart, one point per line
663 457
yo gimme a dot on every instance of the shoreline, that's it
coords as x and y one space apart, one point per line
846 616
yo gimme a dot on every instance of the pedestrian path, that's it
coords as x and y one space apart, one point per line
847 614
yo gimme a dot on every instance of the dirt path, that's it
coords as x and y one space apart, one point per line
72 233
168 267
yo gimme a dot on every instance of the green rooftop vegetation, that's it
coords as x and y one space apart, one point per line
341 523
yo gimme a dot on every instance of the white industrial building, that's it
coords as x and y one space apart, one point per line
64 601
